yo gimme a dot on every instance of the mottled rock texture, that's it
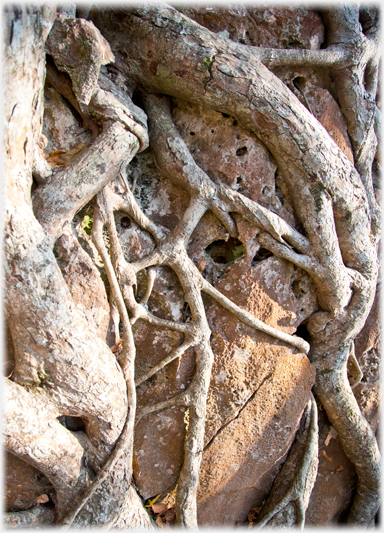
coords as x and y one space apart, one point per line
269 27
24 484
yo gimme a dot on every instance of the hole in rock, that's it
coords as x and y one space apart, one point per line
241 151
225 115
225 252
303 332
298 289
191 133
125 222
261 254
294 44
300 82
73 423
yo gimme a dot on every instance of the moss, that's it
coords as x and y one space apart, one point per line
87 224
208 62
317 191
235 253
44 377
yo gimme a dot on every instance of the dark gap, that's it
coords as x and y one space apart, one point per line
294 44
73 423
186 315
235 123
225 252
261 254
212 131
34 185
303 333
368 18
300 82
125 222
241 151
51 79
191 133
239 179
225 115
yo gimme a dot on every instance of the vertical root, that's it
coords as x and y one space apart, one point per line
304 452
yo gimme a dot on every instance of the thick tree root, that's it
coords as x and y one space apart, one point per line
356 436
37 517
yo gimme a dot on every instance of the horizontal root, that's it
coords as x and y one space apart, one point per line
250 320
180 400
178 352
30 518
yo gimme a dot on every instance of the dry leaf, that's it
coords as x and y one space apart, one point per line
159 522
53 157
42 499
158 508
117 349
340 468
60 158
67 157
323 453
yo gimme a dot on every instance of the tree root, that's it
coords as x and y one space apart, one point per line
36 517
356 436
301 465
125 442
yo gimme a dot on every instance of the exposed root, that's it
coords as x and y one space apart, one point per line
250 320
125 442
37 517
301 464
178 352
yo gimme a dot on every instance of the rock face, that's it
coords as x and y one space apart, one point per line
25 486
84 282
269 27
242 459
259 387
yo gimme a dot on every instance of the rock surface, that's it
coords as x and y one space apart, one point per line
24 484
246 361
269 27
259 386
84 282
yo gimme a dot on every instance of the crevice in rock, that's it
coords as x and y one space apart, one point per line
238 412
303 332
261 254
225 252
73 423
